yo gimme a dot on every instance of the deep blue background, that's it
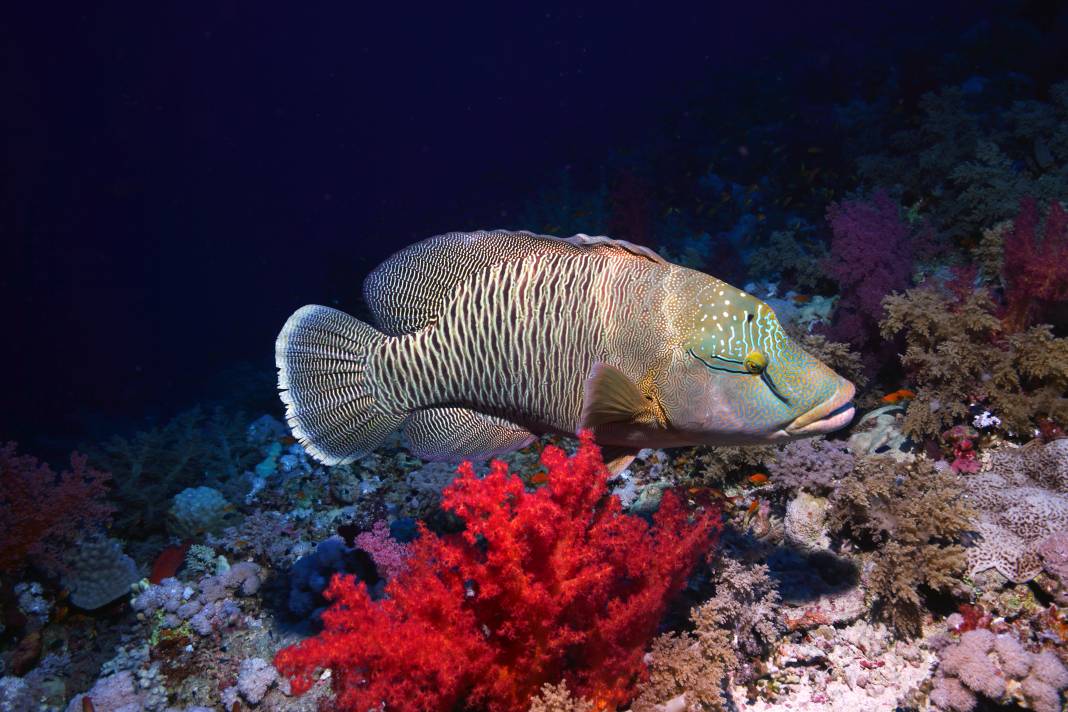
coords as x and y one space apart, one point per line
179 177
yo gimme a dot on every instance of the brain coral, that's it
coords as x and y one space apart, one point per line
1022 499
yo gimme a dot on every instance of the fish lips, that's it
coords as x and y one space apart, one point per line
834 413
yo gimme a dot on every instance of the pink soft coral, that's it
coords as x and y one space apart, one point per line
541 586
42 513
390 556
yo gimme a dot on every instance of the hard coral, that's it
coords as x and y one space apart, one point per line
1036 269
1021 499
42 513
541 586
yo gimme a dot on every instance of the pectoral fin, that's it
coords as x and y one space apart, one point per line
610 397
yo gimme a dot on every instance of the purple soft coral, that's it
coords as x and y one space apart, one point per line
871 256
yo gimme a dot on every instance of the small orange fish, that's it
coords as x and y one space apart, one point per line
753 506
802 298
758 478
898 396
539 478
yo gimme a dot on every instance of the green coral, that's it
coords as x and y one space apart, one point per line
910 518
957 355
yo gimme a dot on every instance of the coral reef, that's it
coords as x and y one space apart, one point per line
1036 268
998 668
535 578
1021 499
97 572
870 257
816 465
785 257
42 513
958 356
197 511
911 517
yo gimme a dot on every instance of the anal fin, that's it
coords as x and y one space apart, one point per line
452 433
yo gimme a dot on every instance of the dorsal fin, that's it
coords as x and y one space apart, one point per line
405 293
600 243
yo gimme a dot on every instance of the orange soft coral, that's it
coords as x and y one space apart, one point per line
557 584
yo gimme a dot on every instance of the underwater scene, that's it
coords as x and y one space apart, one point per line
535 357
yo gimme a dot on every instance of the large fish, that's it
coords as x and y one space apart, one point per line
485 339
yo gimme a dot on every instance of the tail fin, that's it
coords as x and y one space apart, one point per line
331 402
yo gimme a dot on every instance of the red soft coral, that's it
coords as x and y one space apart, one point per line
1036 269
42 513
541 586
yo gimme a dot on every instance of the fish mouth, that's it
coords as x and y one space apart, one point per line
834 413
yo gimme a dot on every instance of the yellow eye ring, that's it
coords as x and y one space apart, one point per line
755 362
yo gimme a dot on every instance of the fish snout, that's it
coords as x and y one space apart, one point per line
834 413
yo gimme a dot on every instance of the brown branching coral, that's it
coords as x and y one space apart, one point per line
957 355
690 669
557 698
735 625
911 517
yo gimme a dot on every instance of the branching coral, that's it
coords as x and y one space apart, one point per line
688 671
957 356
715 464
541 586
911 518
42 513
154 465
557 698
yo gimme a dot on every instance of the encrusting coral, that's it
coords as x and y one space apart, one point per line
539 587
1021 498
911 517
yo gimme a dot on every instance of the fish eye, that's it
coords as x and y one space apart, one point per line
755 362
